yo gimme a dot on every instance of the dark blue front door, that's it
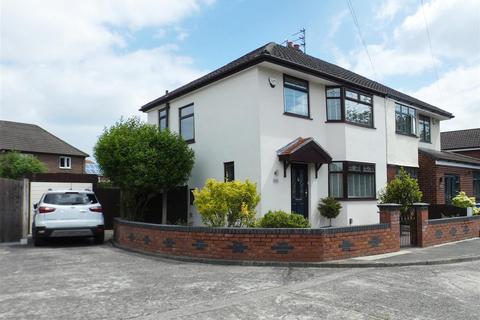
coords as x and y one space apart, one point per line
300 189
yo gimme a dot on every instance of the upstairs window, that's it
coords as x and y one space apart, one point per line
347 105
351 180
64 162
424 128
229 171
405 119
187 123
295 97
163 118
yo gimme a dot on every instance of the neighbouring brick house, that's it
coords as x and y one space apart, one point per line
466 142
59 156
443 174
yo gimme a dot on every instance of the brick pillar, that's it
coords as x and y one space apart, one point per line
390 213
421 212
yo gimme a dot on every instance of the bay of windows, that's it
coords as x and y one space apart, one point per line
351 180
295 96
348 105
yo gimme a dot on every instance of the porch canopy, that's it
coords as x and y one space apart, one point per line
303 150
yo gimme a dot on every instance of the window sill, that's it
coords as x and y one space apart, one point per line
428 142
411 135
190 141
351 123
64 168
296 115
357 199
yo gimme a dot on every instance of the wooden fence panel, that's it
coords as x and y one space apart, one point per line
11 214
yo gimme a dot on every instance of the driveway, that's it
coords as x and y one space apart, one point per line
79 280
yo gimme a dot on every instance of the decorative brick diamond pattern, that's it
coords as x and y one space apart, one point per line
282 248
146 240
346 245
453 231
200 244
238 247
438 234
131 237
169 243
466 229
375 241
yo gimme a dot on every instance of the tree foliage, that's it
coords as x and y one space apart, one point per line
403 190
329 208
15 165
230 204
143 162
282 219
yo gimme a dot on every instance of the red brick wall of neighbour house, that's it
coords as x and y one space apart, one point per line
52 162
431 179
470 153
391 172
433 232
294 245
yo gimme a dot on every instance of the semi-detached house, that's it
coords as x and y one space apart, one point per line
301 128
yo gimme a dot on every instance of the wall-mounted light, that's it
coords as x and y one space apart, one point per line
275 173
272 82
350 221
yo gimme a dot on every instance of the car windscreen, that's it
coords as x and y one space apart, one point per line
70 198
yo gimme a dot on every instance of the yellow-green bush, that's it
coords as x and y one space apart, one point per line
230 204
282 219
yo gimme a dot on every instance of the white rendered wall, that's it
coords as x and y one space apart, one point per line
226 129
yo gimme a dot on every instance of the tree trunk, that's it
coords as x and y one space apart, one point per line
164 207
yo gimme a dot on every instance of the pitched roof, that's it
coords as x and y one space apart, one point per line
305 150
295 59
450 156
27 137
461 139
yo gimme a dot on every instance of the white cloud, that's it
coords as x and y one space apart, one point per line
64 65
389 9
457 91
455 34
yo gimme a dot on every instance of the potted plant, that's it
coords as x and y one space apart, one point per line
329 208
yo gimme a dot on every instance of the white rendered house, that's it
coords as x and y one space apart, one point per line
301 128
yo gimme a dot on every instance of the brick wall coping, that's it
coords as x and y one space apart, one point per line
452 220
332 230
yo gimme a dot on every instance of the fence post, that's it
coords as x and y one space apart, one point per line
25 208
390 213
421 215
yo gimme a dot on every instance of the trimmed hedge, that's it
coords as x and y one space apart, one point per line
282 219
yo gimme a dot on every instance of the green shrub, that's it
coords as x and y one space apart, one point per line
230 204
282 219
15 165
403 190
461 200
329 208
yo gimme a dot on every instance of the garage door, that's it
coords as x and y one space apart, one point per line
37 189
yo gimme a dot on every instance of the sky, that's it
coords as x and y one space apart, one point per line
76 67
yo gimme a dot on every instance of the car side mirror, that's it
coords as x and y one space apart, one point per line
35 205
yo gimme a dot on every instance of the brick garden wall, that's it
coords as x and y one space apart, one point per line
438 231
296 245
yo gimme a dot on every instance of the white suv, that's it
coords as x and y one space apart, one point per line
68 213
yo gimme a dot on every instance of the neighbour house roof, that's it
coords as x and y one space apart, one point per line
461 139
295 59
27 137
450 156
92 168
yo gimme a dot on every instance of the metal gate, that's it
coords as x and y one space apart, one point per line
408 229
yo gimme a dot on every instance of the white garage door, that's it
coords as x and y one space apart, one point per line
39 188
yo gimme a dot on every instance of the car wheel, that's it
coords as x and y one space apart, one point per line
99 238
37 241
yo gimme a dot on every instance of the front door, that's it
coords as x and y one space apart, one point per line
452 187
300 189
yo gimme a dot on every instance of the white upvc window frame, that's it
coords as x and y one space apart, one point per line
67 162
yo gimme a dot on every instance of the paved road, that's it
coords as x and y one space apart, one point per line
79 280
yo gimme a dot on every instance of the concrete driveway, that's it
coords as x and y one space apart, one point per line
78 280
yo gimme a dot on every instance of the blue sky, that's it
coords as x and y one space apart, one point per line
78 68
